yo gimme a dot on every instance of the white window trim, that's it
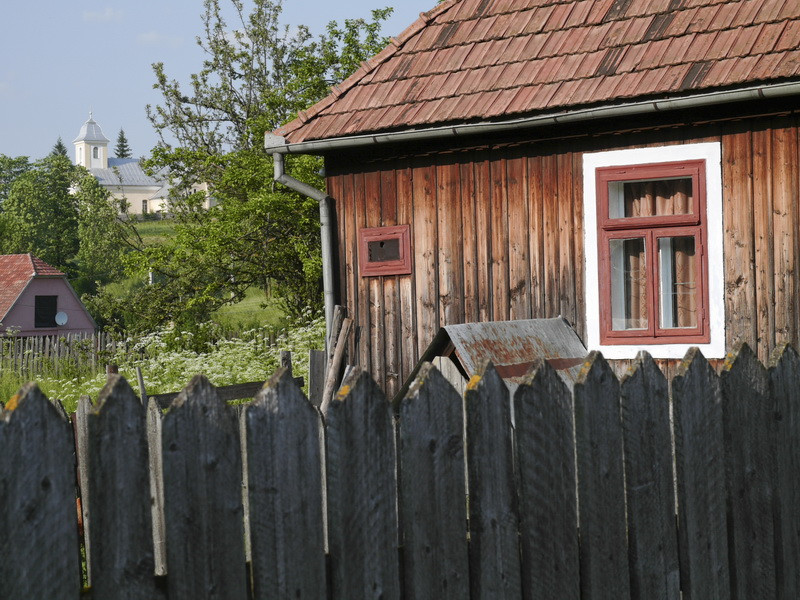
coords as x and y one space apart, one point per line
710 152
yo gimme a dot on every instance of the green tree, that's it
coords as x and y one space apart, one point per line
256 76
101 236
59 148
122 150
10 169
40 215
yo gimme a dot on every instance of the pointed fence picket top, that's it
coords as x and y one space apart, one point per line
119 486
432 489
493 517
784 377
203 496
700 468
749 426
285 490
362 491
650 494
38 525
601 482
545 442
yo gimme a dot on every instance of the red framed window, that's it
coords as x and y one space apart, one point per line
384 250
651 239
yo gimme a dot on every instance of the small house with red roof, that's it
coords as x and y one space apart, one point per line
630 165
37 299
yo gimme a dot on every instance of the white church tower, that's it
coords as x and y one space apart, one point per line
91 146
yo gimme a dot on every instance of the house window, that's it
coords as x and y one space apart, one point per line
653 225
44 311
385 250
144 207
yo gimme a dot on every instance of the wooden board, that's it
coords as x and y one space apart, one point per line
649 491
493 516
119 489
432 489
285 493
699 457
545 442
361 492
601 483
38 531
748 426
203 496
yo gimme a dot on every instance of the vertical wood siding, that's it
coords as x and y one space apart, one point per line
498 234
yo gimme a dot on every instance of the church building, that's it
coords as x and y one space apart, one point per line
136 192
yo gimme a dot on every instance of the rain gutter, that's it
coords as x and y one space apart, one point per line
325 232
276 144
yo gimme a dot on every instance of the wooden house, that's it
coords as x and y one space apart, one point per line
630 165
37 299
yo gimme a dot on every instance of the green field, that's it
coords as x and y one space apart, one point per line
254 311
154 232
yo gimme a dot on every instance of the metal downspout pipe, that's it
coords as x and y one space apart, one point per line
325 232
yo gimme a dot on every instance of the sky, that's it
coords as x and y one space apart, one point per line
61 60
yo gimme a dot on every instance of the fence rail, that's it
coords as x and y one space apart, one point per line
610 491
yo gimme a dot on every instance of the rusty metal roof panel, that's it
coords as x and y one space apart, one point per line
512 346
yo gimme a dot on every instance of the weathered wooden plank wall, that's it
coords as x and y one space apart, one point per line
497 233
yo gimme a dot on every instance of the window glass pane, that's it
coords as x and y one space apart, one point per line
628 284
678 286
44 311
384 250
649 198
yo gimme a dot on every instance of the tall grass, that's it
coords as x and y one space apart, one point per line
168 362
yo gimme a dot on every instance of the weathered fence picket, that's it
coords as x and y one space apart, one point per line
784 379
203 496
748 425
601 483
387 486
362 500
285 490
493 518
546 471
433 489
650 495
700 468
38 532
122 561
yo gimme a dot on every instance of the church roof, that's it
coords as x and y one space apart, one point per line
90 132
125 172
475 60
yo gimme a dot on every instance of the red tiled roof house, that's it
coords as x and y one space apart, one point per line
632 165
37 299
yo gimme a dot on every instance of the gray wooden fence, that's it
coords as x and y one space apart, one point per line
611 491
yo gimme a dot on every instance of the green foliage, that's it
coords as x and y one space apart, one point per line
59 149
101 235
256 76
169 357
122 150
10 170
60 213
40 215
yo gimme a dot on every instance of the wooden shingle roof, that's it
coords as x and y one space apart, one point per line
476 60
16 270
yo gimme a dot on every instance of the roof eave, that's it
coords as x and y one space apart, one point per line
278 144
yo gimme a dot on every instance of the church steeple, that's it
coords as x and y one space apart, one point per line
91 146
